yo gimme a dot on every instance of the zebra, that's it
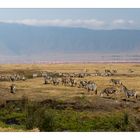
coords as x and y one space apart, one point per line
81 75
108 91
82 84
44 74
12 78
108 73
116 81
128 93
23 78
55 81
34 75
13 88
48 80
73 82
65 81
97 73
91 87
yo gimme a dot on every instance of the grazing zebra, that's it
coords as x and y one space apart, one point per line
55 81
128 93
108 91
97 73
116 81
91 87
108 73
47 80
44 74
65 81
82 84
13 88
12 78
23 78
73 82
81 75
34 75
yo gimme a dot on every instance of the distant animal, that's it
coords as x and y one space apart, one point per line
82 84
91 87
13 88
130 70
44 74
81 75
23 78
48 80
114 71
12 78
55 81
65 81
73 82
97 73
128 93
108 91
34 75
116 81
108 73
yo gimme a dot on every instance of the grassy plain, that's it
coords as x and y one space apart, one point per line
77 99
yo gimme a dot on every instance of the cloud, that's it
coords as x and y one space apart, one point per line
88 23
123 23
85 23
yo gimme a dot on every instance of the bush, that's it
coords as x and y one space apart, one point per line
47 122
30 115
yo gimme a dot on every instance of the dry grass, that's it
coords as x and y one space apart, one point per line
9 129
36 90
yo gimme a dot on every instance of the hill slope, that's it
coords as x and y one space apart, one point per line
22 40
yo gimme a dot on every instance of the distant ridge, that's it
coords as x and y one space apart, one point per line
33 43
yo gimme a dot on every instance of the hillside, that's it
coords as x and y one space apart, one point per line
47 42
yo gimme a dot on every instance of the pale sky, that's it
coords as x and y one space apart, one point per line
83 17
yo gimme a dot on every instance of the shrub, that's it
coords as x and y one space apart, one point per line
31 107
46 121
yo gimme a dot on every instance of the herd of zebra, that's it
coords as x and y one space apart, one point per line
91 86
75 80
70 81
12 77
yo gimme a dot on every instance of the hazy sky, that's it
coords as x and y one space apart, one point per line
87 18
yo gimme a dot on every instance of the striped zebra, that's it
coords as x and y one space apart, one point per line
108 91
116 81
91 87
128 93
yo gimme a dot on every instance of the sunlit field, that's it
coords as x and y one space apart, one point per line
72 108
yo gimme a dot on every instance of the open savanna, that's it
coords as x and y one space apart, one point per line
73 108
